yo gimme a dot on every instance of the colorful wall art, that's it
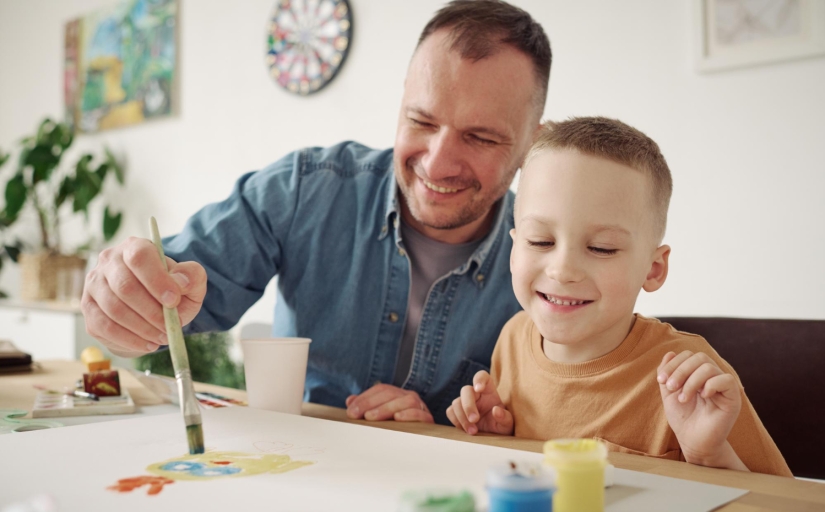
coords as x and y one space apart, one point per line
120 65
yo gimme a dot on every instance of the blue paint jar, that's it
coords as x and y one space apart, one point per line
519 487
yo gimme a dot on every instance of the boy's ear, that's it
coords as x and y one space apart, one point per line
512 249
658 269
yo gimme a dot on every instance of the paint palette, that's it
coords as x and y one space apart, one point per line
50 404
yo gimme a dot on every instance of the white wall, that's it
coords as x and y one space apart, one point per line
746 147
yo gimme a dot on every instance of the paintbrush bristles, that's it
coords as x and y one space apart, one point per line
194 435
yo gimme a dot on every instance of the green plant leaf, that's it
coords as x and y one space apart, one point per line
82 165
13 251
86 185
15 197
66 189
3 157
44 131
111 223
101 171
43 161
208 359
115 165
23 156
61 137
3 295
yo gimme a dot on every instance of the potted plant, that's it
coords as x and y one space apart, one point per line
8 250
39 183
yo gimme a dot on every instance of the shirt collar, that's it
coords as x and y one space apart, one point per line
491 241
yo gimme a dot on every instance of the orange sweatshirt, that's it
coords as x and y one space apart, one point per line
614 398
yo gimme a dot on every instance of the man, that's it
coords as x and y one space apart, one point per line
403 294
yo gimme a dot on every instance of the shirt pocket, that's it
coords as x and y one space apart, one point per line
668 455
444 398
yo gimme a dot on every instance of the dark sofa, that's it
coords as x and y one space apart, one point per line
780 363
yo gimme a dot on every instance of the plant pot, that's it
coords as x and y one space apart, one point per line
51 276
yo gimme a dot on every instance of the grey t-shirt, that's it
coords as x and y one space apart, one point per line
429 261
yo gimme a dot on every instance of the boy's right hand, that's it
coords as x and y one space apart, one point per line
124 295
480 409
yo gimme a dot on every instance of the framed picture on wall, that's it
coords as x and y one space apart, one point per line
738 33
120 65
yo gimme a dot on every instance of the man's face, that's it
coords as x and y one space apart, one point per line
584 245
463 130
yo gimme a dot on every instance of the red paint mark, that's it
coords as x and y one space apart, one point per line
155 484
221 462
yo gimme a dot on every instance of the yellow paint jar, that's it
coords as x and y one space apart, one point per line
579 465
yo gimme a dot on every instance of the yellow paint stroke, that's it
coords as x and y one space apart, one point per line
208 466
249 464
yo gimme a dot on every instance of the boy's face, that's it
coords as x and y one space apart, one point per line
583 247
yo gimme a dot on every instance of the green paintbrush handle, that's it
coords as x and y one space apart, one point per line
180 360
177 347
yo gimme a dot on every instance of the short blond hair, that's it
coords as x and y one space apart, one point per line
616 141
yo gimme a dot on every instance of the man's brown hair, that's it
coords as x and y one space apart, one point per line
478 28
613 140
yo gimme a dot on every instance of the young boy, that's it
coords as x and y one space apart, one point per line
590 216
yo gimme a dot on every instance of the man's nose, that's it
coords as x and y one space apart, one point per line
443 158
564 265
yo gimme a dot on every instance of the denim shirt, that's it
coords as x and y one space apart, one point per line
326 222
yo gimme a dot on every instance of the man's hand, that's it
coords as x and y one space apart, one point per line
702 404
480 409
386 402
124 294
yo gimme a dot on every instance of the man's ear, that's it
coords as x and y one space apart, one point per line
657 274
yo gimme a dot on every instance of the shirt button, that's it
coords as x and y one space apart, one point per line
480 277
393 317
402 252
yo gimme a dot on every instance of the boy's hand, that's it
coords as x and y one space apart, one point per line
701 404
479 408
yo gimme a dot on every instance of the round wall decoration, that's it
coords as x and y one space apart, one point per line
307 43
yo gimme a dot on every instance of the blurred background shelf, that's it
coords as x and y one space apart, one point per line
49 330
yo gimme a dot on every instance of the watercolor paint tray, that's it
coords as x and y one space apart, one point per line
49 404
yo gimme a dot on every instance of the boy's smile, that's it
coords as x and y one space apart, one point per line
563 304
583 247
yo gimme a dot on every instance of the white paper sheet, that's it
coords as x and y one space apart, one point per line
353 467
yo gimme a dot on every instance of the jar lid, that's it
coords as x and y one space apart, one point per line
519 476
575 450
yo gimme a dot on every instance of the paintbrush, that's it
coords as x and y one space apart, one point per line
180 362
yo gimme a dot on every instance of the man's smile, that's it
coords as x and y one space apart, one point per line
442 190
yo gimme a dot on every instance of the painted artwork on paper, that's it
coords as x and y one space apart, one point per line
119 65
208 466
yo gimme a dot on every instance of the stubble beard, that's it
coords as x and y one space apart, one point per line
476 208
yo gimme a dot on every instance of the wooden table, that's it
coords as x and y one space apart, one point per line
766 492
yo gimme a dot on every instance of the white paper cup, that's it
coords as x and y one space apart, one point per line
275 370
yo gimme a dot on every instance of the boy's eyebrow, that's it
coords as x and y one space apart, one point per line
610 227
475 129
598 228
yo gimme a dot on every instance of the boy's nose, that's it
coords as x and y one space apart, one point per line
564 267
